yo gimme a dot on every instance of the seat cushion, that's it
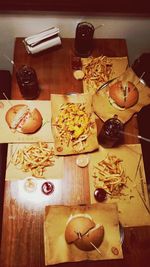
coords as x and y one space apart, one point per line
5 84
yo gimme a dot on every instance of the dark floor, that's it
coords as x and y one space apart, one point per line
144 130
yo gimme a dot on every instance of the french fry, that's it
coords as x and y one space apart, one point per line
110 175
73 125
34 158
97 70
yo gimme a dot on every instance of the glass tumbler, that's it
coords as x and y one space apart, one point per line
28 83
84 39
111 133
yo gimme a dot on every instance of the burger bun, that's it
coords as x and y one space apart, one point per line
33 123
22 119
77 226
83 232
123 96
93 237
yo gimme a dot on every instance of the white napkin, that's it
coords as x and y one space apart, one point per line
42 40
44 45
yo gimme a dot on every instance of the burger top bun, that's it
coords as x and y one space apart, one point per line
82 231
94 236
33 123
77 226
123 96
22 119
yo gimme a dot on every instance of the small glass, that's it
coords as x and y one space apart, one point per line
84 39
111 133
28 83
76 63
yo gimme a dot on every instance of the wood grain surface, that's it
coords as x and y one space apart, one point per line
22 243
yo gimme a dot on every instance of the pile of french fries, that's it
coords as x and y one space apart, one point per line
34 158
109 174
97 71
73 125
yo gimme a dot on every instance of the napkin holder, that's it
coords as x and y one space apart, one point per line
42 41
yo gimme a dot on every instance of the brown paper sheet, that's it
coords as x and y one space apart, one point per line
119 65
43 134
56 248
64 145
133 205
105 110
14 173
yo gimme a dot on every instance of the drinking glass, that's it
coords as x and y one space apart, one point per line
84 39
111 133
27 81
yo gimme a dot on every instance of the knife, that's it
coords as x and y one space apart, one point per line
143 201
141 179
105 84
140 171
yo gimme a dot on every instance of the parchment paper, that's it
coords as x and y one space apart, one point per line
65 146
43 134
133 205
56 248
14 173
119 65
105 110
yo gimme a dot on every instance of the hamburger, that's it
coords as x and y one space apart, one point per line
123 96
83 232
24 120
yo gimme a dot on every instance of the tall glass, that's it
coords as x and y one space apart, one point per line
111 133
28 83
84 39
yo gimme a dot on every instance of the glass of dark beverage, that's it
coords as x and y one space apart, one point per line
84 39
111 133
27 81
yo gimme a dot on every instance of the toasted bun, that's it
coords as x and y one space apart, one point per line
82 231
77 226
92 237
22 119
123 97
33 123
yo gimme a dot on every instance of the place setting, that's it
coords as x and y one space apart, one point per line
35 173
25 121
123 96
84 233
34 159
116 175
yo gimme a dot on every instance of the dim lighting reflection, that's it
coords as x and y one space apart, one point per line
33 196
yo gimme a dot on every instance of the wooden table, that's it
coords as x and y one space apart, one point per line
22 242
